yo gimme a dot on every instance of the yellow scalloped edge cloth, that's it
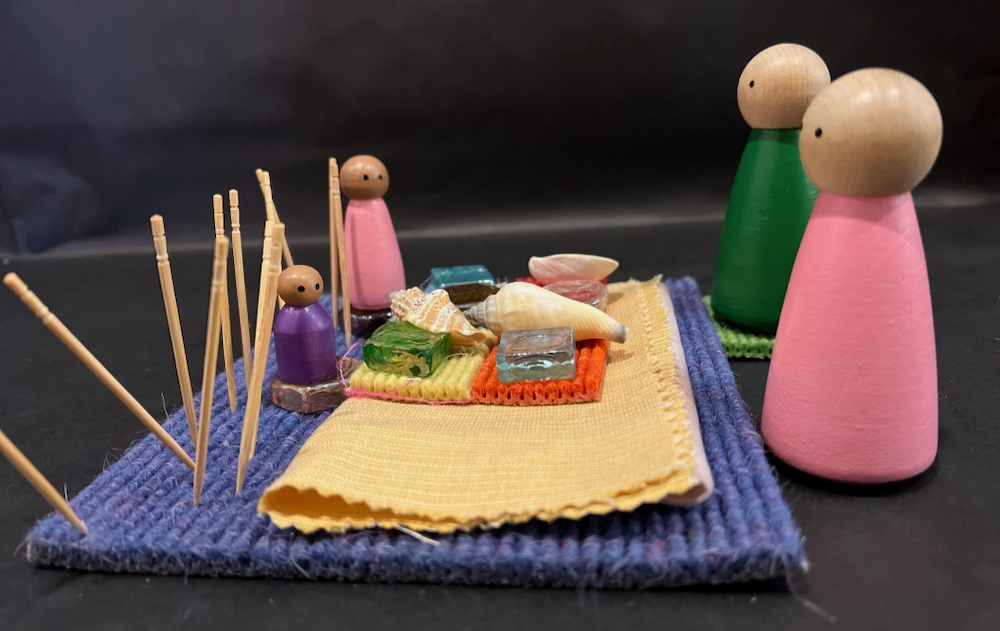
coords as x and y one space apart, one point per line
447 468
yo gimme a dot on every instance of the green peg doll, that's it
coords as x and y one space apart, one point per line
772 197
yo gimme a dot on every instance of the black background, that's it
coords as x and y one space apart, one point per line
111 110
924 555
510 129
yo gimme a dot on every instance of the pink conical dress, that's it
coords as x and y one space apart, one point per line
852 390
374 264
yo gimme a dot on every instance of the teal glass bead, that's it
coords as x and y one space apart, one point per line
465 284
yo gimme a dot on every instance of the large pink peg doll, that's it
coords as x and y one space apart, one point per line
374 263
852 391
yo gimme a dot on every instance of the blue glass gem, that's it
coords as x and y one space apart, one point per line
465 284
536 355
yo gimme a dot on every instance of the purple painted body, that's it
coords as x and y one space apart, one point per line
303 343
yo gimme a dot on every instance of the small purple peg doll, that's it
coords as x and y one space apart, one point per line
303 329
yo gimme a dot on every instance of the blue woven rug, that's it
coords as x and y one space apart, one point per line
141 519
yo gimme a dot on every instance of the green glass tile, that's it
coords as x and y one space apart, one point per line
404 349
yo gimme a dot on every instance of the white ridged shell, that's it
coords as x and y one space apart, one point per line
551 269
523 306
435 312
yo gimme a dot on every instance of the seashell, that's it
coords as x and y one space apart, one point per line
523 306
551 269
435 312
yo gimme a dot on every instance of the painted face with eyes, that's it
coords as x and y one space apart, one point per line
364 177
872 133
778 84
300 285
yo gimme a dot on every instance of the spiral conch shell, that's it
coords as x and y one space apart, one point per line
435 312
523 306
551 269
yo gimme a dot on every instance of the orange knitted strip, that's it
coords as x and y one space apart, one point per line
591 357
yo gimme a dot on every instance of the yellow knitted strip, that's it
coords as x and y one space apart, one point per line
451 382
446 468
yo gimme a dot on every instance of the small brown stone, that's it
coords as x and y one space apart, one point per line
314 397
300 285
364 177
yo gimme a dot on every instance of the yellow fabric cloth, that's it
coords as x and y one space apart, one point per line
444 468
451 382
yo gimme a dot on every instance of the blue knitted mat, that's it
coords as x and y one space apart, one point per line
141 519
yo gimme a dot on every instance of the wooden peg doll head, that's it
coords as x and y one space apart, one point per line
778 84
300 285
364 177
873 133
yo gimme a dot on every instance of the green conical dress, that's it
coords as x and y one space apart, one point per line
769 207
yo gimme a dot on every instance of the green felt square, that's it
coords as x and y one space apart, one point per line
737 343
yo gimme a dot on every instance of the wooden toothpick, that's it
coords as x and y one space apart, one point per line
174 322
265 258
211 360
338 219
274 271
241 284
334 178
16 285
270 251
37 480
264 178
224 317
265 321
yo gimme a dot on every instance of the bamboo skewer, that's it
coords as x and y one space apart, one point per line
241 284
265 268
338 219
37 480
174 322
274 270
211 360
264 178
270 252
49 319
265 322
334 178
265 262
225 317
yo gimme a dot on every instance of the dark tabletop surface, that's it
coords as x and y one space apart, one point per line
924 554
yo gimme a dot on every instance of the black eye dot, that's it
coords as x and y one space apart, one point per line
751 84
819 132
366 178
380 176
317 285
301 289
